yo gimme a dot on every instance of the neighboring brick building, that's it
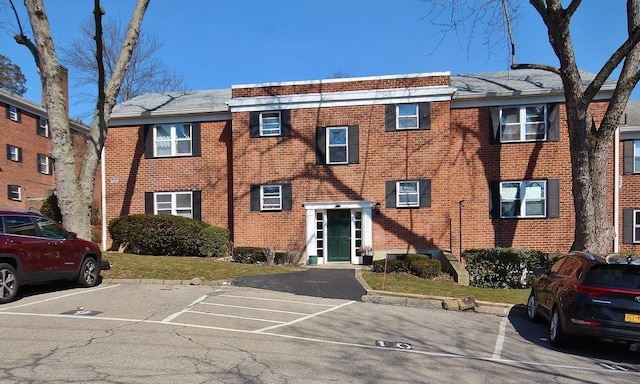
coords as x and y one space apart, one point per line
26 171
416 162
627 218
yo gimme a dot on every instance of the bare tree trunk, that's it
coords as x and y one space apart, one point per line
75 192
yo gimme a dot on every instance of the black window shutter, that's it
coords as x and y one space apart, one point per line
19 113
390 193
8 152
254 195
8 114
196 141
354 146
425 115
38 125
494 131
148 203
196 197
321 140
390 117
254 124
627 226
19 155
425 193
553 198
148 141
494 199
9 192
553 122
627 150
285 121
287 197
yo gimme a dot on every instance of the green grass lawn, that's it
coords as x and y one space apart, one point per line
128 266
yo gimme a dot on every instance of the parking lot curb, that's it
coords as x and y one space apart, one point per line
425 301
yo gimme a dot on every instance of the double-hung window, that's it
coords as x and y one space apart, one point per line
636 156
14 153
408 193
636 226
526 123
174 203
43 127
13 113
44 164
407 116
337 145
270 124
523 198
14 192
270 197
172 140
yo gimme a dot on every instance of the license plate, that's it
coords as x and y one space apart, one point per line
631 318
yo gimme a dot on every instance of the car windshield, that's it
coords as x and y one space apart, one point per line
614 276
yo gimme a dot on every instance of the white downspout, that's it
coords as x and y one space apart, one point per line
616 189
103 208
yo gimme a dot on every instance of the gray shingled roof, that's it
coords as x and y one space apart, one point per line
173 103
511 83
631 116
469 86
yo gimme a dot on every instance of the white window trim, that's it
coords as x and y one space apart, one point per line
636 155
345 145
43 124
398 116
18 191
13 113
174 208
263 195
523 123
523 200
400 204
14 153
636 226
262 127
46 164
173 139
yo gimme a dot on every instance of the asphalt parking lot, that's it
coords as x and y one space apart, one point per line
171 333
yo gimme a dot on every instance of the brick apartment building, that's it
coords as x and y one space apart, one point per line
27 171
420 162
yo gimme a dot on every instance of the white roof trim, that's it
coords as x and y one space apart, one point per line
341 80
164 119
357 204
516 98
346 98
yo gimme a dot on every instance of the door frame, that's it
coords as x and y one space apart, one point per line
313 211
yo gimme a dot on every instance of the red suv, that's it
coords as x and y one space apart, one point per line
35 249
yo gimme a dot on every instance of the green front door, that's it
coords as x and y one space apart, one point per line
339 235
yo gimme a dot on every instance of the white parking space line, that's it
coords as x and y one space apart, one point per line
497 351
254 309
276 300
88 290
236 317
185 310
306 317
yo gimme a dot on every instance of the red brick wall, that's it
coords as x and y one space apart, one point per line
383 156
129 174
334 85
35 186
475 162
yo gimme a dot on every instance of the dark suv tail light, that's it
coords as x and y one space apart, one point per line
601 291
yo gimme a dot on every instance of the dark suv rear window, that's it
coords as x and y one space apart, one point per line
614 276
20 225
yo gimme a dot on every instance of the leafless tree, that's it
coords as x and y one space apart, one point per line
146 71
74 184
590 141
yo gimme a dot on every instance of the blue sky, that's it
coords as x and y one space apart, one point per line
217 43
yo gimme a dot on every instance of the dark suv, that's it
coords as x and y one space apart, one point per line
35 249
588 295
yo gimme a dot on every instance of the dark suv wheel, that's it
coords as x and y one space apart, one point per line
89 273
8 283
